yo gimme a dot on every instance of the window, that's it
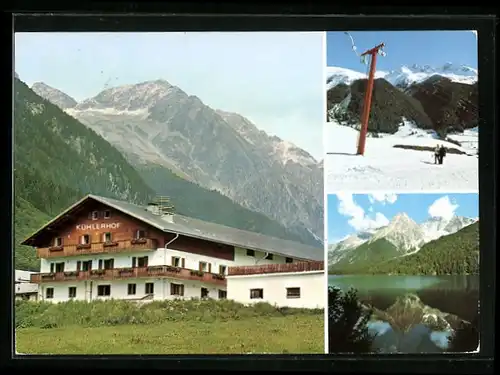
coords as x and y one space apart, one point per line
250 253
176 261
204 293
103 290
49 293
203 267
176 289
87 266
60 267
109 264
78 266
142 262
222 269
58 241
140 234
269 257
107 237
51 267
288 260
72 292
107 214
222 294
99 264
292 292
85 239
150 288
256 293
131 289
95 215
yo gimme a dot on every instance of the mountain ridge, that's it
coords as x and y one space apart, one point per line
154 123
443 99
402 237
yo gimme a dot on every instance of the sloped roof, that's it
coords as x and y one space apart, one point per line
205 230
22 284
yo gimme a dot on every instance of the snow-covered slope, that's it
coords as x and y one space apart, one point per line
385 167
437 226
405 75
336 75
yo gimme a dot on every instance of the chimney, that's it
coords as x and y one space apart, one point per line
161 207
153 208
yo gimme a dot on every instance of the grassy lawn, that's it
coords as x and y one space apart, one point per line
285 334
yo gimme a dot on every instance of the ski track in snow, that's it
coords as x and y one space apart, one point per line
387 168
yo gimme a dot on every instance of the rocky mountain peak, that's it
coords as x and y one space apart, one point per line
53 95
133 97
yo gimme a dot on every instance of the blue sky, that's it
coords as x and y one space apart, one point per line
434 48
273 79
350 213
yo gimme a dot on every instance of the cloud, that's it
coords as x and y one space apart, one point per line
359 220
383 198
442 208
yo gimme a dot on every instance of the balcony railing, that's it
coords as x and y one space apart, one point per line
131 273
143 244
277 268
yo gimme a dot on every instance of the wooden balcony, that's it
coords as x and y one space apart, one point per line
277 268
131 273
144 244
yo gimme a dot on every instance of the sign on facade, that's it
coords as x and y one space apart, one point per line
98 226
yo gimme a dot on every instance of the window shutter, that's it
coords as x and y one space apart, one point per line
171 289
183 263
209 267
100 264
78 265
182 290
134 262
145 261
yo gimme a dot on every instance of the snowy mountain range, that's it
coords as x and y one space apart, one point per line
402 234
405 76
157 125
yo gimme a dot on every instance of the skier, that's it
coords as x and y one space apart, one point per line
442 154
436 154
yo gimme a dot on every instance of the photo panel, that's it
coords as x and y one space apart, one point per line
169 193
402 111
403 272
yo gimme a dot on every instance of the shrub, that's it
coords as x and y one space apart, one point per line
347 323
119 312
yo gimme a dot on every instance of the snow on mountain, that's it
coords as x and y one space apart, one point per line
131 98
405 75
436 227
287 151
336 75
402 232
385 166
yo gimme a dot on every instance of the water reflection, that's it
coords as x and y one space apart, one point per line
414 314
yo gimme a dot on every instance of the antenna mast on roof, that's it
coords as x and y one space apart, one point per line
164 205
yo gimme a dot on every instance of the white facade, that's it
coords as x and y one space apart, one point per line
119 289
88 290
163 257
280 289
